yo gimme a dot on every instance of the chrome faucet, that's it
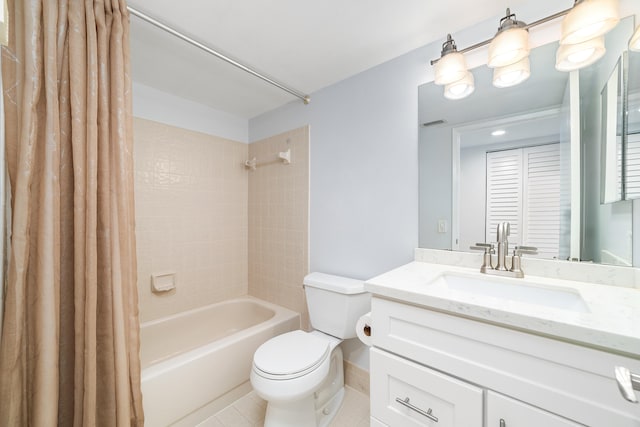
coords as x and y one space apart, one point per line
501 248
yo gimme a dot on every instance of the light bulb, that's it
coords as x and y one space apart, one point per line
575 56
460 89
513 74
580 55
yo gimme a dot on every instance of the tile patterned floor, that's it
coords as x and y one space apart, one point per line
248 411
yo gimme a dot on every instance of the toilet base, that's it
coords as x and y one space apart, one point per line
315 410
328 412
303 413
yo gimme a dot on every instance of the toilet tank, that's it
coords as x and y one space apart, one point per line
335 303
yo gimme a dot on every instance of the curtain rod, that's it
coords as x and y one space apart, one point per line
305 98
533 24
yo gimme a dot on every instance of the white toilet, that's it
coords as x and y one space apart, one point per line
299 373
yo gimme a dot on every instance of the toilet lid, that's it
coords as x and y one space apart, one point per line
292 353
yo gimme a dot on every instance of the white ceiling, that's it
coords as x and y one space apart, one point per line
304 44
527 131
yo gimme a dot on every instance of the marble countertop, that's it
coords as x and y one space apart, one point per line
610 320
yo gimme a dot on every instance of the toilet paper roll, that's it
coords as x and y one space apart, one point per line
363 329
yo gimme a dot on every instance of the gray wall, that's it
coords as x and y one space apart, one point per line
364 167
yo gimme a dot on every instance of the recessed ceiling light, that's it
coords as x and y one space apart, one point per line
498 132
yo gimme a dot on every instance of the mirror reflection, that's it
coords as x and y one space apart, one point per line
611 182
632 152
509 155
606 229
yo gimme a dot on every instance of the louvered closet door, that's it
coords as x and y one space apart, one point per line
504 193
632 189
523 187
541 191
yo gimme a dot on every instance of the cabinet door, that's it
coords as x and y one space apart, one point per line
503 411
405 394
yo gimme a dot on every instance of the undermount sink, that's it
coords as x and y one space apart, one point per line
505 289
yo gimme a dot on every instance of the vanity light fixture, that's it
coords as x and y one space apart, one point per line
575 56
452 66
634 43
461 88
511 75
511 43
588 19
582 44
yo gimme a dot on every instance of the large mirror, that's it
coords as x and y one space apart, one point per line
613 133
632 152
515 155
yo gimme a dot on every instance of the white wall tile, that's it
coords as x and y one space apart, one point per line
191 192
278 220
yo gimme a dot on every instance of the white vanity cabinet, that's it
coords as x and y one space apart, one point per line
469 373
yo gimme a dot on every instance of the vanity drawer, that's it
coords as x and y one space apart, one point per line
408 394
514 413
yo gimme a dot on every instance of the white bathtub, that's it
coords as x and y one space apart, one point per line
194 359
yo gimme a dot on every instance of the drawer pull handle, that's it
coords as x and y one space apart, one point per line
427 413
627 382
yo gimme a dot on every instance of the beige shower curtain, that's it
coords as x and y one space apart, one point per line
69 350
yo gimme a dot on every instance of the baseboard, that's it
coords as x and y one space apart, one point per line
356 377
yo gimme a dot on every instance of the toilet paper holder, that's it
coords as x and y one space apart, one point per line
364 330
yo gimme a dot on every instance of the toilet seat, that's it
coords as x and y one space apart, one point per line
291 355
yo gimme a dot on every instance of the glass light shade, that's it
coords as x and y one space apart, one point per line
450 68
460 89
575 56
634 43
508 47
589 19
513 74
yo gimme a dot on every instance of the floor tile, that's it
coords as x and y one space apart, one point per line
249 411
251 408
211 422
231 417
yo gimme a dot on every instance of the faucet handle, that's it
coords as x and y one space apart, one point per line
521 250
488 248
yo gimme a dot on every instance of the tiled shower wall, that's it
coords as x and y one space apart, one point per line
191 194
224 230
278 221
